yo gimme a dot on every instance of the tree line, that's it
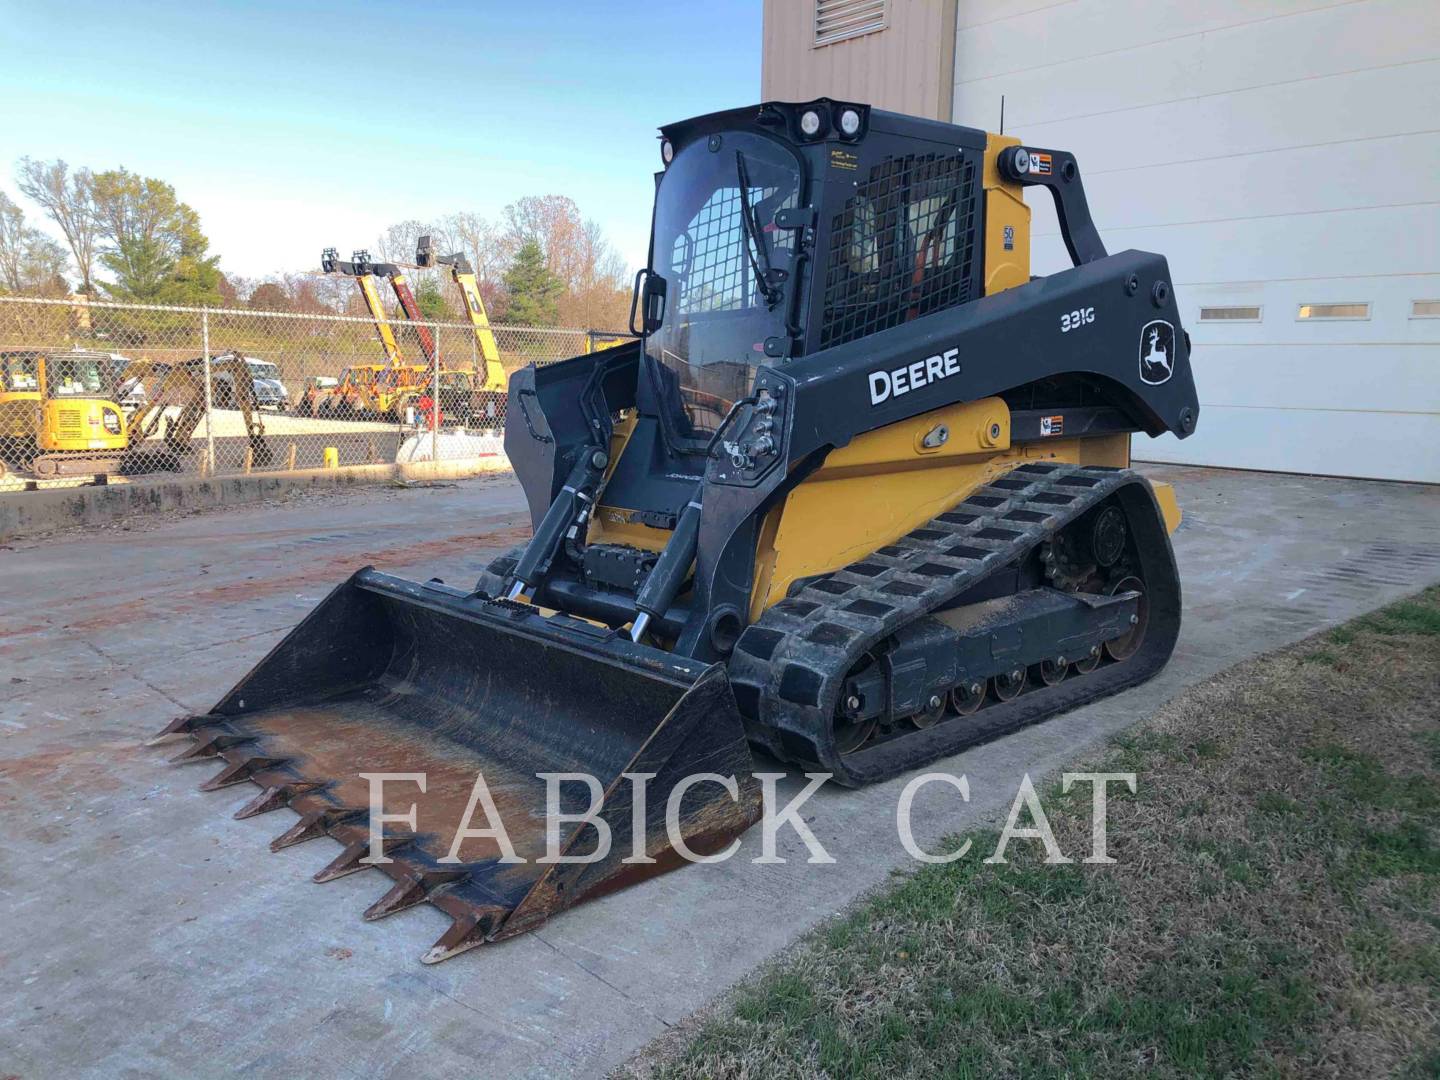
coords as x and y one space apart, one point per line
131 238
133 227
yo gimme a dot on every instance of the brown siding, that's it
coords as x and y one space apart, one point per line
908 67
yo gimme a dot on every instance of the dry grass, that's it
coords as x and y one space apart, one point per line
1275 909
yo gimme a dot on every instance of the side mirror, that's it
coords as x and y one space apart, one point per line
649 298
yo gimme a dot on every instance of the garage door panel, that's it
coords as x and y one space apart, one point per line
1329 41
1272 184
1387 378
1369 104
1333 444
1079 31
1347 243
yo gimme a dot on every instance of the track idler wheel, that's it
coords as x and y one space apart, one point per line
1089 662
1127 644
1007 687
967 698
1051 672
850 734
931 714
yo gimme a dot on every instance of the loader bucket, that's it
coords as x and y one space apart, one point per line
391 676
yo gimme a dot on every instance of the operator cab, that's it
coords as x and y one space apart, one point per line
783 228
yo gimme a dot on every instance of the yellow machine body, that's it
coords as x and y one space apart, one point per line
59 414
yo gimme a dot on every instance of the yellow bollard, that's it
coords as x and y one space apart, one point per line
332 458
290 457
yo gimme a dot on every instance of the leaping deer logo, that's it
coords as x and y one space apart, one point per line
1156 364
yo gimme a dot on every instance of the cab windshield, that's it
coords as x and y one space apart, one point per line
20 372
728 273
74 376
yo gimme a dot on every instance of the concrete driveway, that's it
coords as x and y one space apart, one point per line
144 932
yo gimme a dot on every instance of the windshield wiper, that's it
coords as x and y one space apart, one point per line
766 276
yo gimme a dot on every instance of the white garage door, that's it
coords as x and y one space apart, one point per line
1285 157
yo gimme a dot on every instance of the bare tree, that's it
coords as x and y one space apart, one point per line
397 244
30 262
488 244
334 292
42 273
12 243
68 199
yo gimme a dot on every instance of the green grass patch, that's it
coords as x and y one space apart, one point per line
1274 910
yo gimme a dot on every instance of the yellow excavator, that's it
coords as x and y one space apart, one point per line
857 496
59 415
174 406
61 412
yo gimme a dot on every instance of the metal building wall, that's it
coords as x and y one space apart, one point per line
1279 152
906 67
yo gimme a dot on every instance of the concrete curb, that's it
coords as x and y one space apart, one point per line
28 513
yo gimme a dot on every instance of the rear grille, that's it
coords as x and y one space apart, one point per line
70 424
903 246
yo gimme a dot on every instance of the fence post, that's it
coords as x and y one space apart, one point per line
435 410
209 394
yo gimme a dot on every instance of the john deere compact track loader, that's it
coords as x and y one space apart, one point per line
859 496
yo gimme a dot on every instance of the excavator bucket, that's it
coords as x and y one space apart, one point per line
412 680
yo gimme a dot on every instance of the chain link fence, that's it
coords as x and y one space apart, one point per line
106 392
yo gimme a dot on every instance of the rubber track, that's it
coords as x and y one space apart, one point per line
789 666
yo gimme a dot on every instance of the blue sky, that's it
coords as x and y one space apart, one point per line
294 126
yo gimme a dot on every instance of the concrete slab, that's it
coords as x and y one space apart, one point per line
146 932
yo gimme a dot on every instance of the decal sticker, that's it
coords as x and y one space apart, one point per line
1073 320
1040 163
896 381
840 158
1052 425
1009 237
1157 352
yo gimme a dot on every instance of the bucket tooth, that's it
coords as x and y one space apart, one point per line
466 932
387 674
181 725
315 823
240 771
273 798
352 859
209 746
410 890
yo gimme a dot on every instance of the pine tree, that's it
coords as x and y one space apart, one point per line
534 291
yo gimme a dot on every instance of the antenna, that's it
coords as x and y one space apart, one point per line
1002 114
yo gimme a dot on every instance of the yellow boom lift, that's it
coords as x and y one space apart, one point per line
377 389
491 388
